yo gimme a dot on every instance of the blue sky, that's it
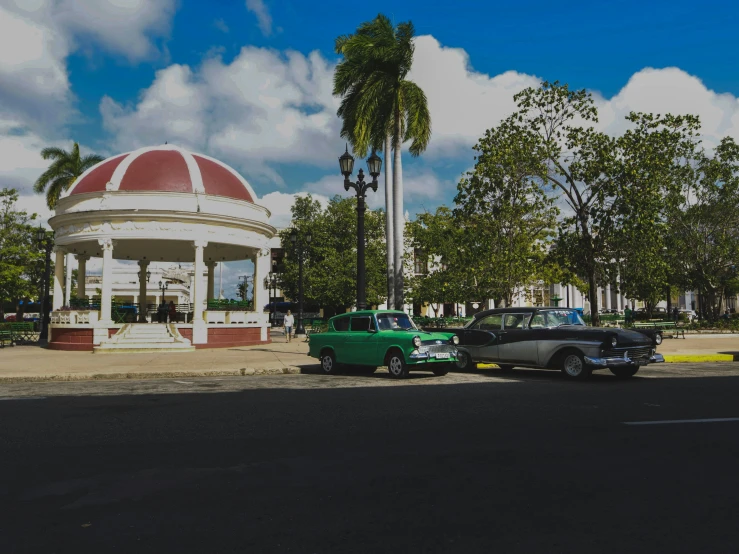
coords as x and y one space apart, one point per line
249 81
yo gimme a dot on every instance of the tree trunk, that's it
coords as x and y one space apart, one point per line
669 301
398 216
593 296
389 223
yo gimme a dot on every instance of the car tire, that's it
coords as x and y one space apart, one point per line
573 366
440 370
328 363
505 367
396 365
658 338
464 361
624 372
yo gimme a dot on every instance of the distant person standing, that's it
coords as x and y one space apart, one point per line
676 314
288 323
627 315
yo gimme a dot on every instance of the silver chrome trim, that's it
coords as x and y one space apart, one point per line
624 361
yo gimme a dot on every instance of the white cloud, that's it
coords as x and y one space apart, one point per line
260 110
671 90
37 36
34 83
125 27
280 204
463 103
264 19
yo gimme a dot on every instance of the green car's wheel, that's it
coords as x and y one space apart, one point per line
441 369
396 365
328 363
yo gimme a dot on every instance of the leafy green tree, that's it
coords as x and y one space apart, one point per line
380 108
21 262
654 161
435 239
703 243
506 212
63 171
330 260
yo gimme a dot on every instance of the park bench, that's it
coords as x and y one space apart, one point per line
6 335
669 326
314 326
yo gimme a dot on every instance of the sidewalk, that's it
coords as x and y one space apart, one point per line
30 363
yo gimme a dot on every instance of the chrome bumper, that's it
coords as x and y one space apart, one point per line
623 362
426 356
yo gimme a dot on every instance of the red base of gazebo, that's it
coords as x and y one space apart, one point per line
81 340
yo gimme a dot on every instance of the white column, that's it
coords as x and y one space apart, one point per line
619 295
211 280
58 301
106 289
262 267
199 329
608 296
68 279
143 267
82 276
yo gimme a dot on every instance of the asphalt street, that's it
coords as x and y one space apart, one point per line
476 462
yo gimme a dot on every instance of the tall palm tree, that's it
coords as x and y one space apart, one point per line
380 108
63 171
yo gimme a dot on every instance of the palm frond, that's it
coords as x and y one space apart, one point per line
417 116
54 152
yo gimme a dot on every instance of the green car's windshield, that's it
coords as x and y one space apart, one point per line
556 318
394 321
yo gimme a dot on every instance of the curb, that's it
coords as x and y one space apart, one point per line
244 371
698 358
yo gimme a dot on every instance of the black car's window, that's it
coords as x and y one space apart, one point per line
537 322
489 323
515 321
341 324
362 323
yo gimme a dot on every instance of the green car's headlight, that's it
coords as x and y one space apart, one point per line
417 341
454 339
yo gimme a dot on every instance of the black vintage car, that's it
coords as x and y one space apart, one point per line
552 338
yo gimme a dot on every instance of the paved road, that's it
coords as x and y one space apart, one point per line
477 462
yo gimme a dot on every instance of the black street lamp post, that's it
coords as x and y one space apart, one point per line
300 242
164 285
45 242
374 165
272 284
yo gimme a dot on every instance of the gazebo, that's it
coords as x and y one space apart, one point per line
166 204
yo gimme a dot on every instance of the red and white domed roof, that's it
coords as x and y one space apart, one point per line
165 168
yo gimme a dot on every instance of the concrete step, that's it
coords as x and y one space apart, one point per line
146 340
109 348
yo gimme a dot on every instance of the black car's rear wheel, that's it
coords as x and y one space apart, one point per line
624 372
573 365
464 361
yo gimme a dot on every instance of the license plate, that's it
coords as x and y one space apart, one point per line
442 356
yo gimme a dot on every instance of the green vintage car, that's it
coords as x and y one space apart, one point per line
366 339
